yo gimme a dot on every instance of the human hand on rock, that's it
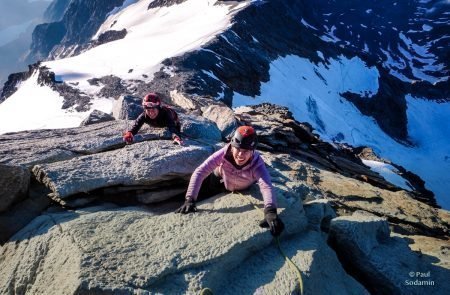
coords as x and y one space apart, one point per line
272 221
188 207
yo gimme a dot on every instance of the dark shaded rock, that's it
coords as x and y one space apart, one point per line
21 213
44 38
388 106
96 117
14 183
14 80
127 107
110 36
74 31
164 3
55 11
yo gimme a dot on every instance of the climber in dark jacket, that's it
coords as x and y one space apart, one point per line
157 116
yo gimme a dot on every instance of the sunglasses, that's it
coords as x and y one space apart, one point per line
150 105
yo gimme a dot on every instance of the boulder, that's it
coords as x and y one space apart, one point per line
223 116
28 148
384 263
319 213
133 249
400 208
181 100
14 182
145 163
199 128
96 116
127 107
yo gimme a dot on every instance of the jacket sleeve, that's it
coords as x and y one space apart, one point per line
172 125
265 186
202 171
138 124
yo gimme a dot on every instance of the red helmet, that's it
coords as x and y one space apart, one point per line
245 138
151 100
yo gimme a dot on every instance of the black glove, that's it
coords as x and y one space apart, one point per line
272 221
188 207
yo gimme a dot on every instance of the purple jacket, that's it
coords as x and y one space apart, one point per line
234 179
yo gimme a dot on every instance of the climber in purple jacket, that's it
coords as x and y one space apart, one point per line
235 167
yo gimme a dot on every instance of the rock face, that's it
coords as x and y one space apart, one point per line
141 164
96 117
142 247
238 60
365 245
14 183
134 249
80 22
223 116
127 107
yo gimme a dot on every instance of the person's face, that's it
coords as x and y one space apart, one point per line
241 156
152 112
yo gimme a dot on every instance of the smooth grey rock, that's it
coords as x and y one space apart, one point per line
319 214
223 116
385 264
145 163
96 116
127 107
199 128
14 182
181 100
28 148
131 250
321 271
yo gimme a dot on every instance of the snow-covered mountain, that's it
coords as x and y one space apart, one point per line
369 74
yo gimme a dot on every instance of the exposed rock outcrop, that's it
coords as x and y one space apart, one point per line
95 117
144 164
67 36
387 265
14 184
223 116
147 248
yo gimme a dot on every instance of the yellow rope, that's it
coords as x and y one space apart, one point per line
291 264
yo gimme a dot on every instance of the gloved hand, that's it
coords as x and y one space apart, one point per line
177 140
128 137
188 207
272 221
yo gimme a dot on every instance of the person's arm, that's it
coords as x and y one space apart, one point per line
138 124
265 186
199 175
271 219
202 171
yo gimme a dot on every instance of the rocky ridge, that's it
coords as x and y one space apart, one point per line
102 211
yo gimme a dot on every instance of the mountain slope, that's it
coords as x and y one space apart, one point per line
334 66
